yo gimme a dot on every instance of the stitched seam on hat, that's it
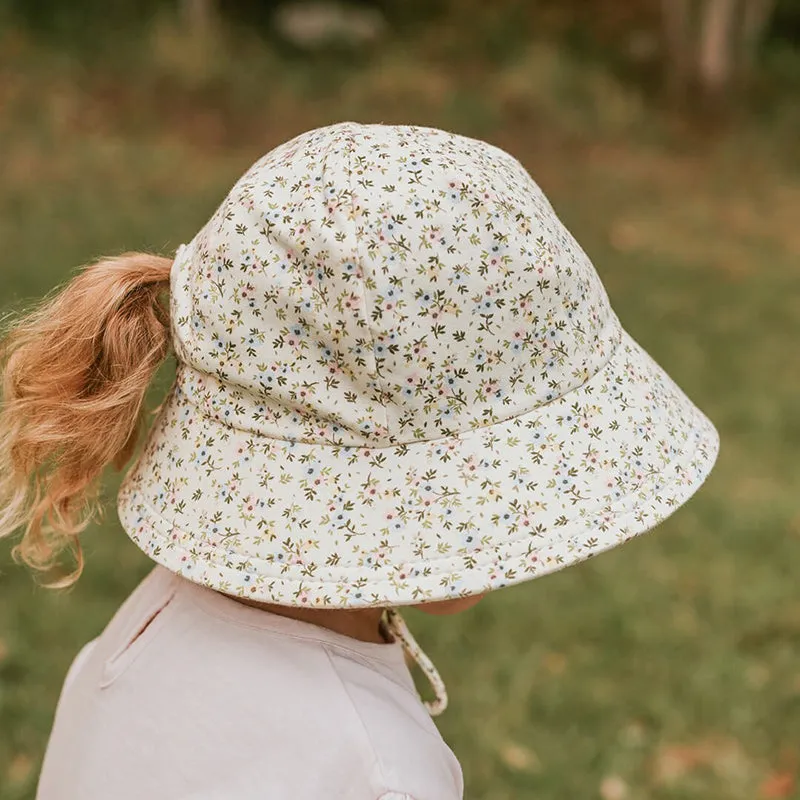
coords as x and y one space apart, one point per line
474 431
187 256
350 138
444 563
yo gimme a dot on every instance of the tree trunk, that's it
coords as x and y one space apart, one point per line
755 17
678 47
718 46
198 16
710 47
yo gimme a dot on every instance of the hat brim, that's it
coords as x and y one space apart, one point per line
335 526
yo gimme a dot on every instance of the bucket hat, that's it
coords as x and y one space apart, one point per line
399 379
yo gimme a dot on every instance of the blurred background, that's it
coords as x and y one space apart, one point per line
667 136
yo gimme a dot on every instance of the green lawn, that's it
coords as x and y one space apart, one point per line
669 668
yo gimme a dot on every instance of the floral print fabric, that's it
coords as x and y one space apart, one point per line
399 380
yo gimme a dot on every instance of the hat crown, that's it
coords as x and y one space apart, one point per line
378 285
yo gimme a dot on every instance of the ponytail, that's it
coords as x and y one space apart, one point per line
74 373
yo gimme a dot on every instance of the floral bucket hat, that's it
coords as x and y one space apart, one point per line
399 380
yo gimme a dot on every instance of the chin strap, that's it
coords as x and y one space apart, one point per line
396 625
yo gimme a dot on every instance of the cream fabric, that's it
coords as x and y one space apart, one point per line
400 379
189 695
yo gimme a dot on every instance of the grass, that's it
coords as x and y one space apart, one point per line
666 669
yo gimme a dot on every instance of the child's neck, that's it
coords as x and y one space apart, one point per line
363 624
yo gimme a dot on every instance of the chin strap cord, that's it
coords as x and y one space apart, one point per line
396 625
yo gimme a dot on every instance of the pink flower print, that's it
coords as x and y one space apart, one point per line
247 508
379 431
469 469
334 368
645 430
378 557
293 556
248 294
495 258
443 449
350 301
322 431
419 347
586 416
523 302
590 459
490 388
432 236
229 490
606 518
453 193
389 299
370 493
294 335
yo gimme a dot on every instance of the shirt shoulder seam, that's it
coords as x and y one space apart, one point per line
376 759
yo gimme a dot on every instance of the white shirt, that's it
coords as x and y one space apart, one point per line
190 695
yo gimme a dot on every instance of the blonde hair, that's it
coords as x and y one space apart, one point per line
75 371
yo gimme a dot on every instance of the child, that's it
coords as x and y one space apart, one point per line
399 382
